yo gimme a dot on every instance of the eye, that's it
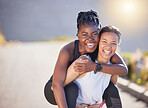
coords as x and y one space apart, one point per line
114 43
104 42
84 36
95 34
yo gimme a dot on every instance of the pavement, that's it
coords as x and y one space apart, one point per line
134 89
26 67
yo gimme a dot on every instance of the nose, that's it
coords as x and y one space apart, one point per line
109 46
91 37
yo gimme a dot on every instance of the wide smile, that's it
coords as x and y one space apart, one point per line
90 45
107 52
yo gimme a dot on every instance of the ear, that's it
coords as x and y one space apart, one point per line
78 35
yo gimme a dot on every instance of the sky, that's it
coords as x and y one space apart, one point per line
35 20
131 17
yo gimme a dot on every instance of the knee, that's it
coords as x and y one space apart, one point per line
48 93
112 91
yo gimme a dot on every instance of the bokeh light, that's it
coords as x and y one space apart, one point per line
130 15
129 7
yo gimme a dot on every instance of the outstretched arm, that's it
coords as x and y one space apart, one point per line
118 66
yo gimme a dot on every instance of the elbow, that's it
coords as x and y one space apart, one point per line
125 72
56 86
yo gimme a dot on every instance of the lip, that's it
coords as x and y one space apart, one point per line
90 45
107 52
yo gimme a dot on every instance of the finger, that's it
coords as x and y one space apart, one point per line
81 60
79 64
82 57
79 70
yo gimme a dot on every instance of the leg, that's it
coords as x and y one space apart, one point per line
111 96
49 93
71 93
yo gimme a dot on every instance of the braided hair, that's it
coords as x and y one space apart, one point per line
87 17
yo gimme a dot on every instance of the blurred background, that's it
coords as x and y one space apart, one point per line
27 31
36 20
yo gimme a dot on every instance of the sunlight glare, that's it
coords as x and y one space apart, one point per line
128 7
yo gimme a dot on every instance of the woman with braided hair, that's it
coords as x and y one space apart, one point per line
87 43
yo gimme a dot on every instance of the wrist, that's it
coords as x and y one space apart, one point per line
98 68
94 66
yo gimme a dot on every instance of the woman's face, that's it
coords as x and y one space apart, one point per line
88 37
108 45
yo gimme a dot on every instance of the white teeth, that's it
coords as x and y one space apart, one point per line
107 52
90 45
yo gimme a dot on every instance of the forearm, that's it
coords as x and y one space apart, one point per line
60 96
114 69
71 75
114 79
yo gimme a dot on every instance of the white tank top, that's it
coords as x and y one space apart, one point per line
91 87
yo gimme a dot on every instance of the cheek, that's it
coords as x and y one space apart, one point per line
114 48
97 40
81 41
101 45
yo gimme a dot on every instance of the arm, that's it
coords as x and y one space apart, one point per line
118 67
114 79
72 74
59 77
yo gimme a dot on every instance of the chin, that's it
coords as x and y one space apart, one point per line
90 51
106 56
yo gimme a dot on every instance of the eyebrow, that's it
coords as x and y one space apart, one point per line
114 41
106 40
85 32
92 32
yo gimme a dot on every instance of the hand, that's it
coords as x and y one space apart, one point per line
94 106
82 106
83 64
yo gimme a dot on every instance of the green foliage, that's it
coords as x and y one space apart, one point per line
145 53
128 60
133 76
144 76
143 79
139 81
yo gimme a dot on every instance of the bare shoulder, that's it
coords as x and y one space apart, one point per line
68 50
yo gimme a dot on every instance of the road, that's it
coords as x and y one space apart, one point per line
24 70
